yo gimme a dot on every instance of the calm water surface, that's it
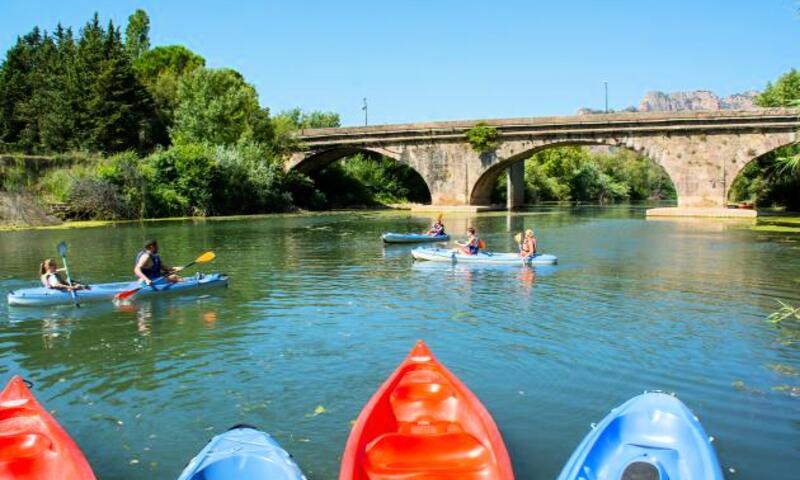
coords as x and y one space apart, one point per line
319 312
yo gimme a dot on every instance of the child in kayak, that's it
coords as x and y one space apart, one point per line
527 248
149 267
48 274
473 244
437 229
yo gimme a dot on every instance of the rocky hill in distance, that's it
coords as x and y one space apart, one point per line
679 101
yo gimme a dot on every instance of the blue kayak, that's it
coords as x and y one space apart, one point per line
488 258
650 437
413 238
242 453
41 296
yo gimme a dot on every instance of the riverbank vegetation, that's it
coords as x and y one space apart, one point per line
582 174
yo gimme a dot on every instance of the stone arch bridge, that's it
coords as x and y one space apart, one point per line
702 152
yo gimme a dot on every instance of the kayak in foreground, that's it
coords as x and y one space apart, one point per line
242 453
413 238
650 437
33 446
447 255
41 296
423 423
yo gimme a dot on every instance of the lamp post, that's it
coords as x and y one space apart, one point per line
605 85
365 112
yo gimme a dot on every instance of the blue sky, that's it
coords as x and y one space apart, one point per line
460 59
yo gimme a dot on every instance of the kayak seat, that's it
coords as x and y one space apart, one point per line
19 430
396 456
424 395
22 445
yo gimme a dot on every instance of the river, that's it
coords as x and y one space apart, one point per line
319 313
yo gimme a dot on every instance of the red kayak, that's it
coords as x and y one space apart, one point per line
33 446
424 424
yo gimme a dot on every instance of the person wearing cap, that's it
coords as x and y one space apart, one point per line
437 229
527 248
149 266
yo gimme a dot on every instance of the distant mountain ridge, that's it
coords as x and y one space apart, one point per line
656 101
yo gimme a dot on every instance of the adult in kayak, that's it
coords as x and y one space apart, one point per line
527 248
473 244
437 230
150 268
51 278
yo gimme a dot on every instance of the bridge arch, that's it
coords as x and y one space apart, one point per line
310 163
483 186
762 165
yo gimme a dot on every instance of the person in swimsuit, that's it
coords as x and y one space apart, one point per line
472 245
527 248
150 268
437 229
51 278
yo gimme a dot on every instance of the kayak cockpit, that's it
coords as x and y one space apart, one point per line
241 466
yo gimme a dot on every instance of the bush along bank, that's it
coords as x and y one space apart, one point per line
184 180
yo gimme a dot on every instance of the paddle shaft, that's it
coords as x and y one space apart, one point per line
69 281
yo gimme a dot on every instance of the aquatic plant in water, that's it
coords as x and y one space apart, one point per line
787 318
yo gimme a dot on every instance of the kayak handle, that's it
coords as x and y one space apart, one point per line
27 383
242 425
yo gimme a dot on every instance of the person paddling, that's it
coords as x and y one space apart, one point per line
149 266
527 248
473 244
437 230
51 278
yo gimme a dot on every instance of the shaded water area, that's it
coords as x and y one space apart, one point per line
319 313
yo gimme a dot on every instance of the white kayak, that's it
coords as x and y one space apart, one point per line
41 296
448 255
413 238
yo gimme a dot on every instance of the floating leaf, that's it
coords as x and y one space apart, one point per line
317 411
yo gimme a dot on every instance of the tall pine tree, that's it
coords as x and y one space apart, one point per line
118 104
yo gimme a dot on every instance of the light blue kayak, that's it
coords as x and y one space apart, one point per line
413 238
242 453
489 258
650 437
41 296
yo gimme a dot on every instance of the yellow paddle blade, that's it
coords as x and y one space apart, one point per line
206 257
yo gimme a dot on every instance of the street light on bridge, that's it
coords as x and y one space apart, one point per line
605 85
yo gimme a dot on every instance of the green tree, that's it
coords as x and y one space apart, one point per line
160 71
219 107
785 92
60 95
137 33
118 106
16 88
298 119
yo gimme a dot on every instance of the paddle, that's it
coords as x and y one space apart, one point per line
203 258
62 252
